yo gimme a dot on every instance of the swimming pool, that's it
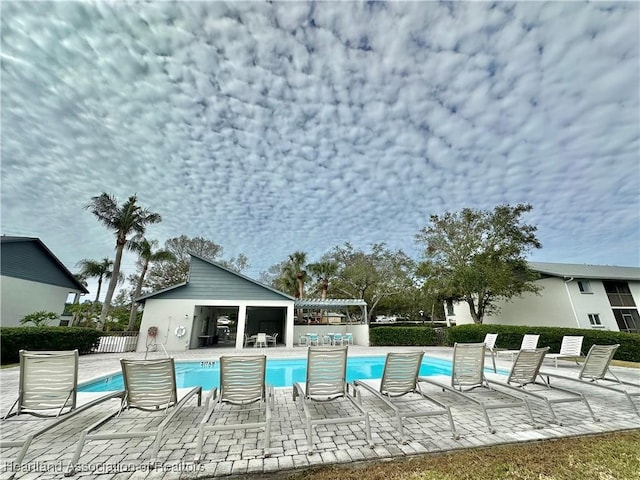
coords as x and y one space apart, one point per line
280 372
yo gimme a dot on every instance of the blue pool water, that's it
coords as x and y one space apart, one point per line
280 372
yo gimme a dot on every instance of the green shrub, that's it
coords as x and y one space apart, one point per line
14 339
394 336
510 337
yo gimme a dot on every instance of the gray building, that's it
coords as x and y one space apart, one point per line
32 279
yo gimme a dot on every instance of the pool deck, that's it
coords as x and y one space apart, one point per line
240 453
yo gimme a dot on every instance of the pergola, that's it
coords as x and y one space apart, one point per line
332 304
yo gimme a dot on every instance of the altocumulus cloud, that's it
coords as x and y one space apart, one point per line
274 127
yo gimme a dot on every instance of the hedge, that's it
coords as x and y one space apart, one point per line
14 339
395 336
510 337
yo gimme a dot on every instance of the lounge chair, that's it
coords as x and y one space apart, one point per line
326 382
148 385
523 378
338 339
313 339
400 378
348 338
529 342
468 374
242 386
303 340
594 372
48 387
571 347
490 344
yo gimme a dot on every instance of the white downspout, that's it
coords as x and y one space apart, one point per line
573 308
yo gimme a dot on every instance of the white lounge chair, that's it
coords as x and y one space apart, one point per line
242 387
594 372
326 382
571 347
490 344
523 378
149 385
348 338
400 378
48 387
529 342
468 374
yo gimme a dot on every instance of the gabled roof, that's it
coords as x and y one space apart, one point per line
8 239
570 270
221 267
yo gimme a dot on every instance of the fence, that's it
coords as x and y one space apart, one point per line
117 342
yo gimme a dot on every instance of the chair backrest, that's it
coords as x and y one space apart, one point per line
326 372
149 384
490 340
242 379
571 345
48 380
529 342
526 366
400 373
597 362
261 338
468 364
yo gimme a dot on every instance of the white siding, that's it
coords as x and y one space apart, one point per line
169 314
22 297
560 304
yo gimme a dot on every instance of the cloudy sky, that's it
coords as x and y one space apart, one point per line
275 127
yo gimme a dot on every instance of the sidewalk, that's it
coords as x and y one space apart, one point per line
240 453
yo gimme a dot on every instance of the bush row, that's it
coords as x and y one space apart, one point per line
396 336
14 339
511 337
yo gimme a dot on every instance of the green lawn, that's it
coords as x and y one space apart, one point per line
614 456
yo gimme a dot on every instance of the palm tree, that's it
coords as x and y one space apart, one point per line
146 255
324 271
295 273
95 269
123 220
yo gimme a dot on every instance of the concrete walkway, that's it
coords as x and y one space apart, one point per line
240 453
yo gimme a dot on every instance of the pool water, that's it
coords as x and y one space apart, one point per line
280 372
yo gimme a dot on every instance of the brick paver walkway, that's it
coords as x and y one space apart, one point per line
238 453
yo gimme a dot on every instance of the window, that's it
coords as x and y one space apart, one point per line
594 319
619 294
627 319
584 286
450 310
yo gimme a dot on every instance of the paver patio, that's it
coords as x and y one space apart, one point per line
237 453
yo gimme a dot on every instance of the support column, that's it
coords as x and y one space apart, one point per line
289 326
242 326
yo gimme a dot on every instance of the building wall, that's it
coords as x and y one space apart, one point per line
170 314
560 304
22 297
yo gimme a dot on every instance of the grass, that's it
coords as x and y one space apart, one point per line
613 456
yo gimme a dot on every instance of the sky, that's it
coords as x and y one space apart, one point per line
272 127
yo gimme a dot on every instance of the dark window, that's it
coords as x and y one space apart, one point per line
594 319
628 320
450 307
584 286
619 294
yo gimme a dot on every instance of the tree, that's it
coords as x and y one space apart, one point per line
122 221
323 271
96 269
146 255
40 318
478 256
165 273
371 276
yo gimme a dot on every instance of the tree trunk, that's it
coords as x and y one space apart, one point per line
99 288
134 310
112 284
477 319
